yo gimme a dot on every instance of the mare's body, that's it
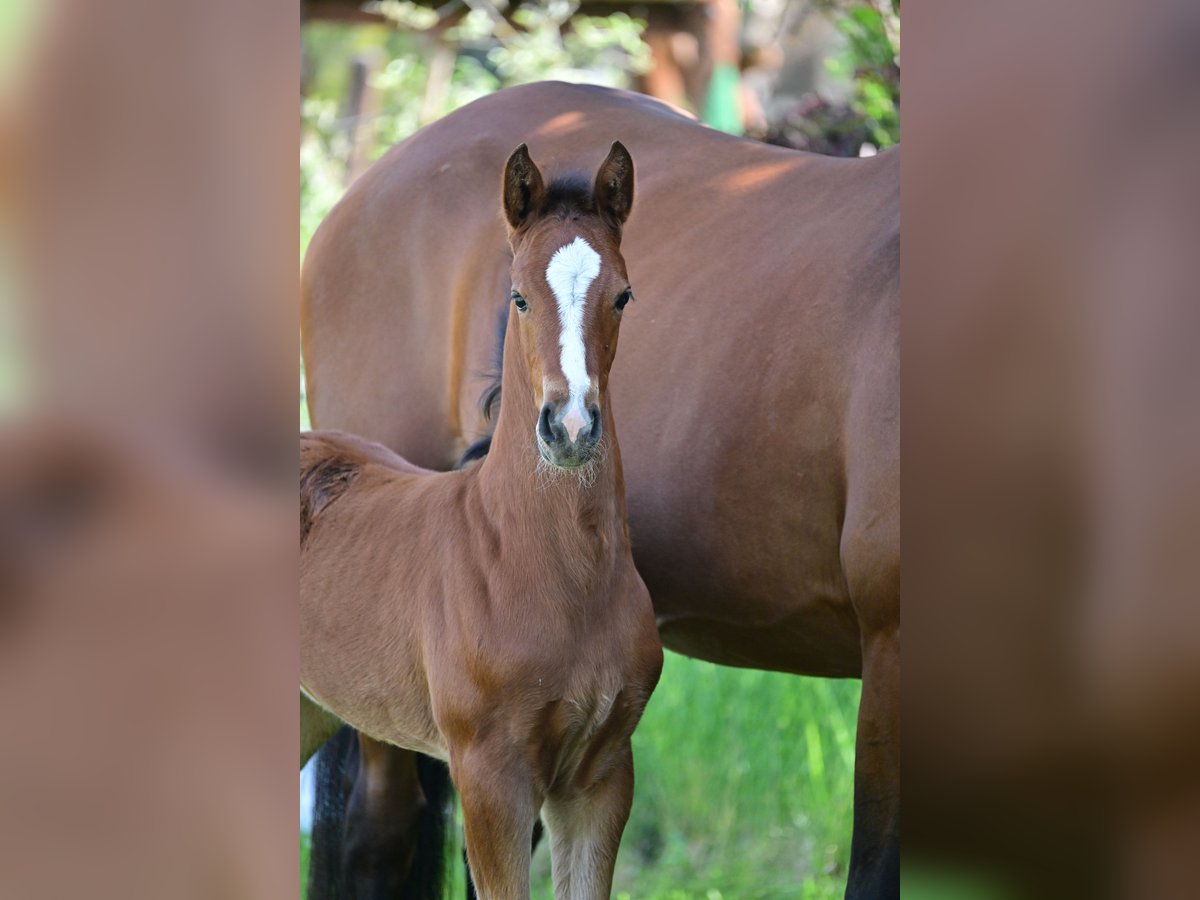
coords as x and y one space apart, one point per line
763 468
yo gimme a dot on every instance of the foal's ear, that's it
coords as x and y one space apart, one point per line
524 190
614 185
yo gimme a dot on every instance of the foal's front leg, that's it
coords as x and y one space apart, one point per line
499 810
585 832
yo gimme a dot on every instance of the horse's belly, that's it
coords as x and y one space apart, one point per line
824 643
388 702
402 718
756 577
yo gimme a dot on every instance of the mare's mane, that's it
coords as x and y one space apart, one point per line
489 400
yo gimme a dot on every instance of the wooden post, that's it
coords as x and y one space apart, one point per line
361 108
441 56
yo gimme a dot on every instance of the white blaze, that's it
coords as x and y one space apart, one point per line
571 271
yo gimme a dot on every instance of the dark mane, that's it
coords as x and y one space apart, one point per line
489 402
569 196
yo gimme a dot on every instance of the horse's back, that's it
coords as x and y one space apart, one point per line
321 447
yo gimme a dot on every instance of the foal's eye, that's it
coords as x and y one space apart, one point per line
519 301
624 297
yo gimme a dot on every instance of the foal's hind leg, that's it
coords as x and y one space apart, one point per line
499 809
585 832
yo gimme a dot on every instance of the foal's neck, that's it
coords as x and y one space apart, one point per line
560 506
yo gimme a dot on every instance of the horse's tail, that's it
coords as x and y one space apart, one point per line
333 874
426 879
336 767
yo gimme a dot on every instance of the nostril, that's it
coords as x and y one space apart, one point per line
594 434
543 426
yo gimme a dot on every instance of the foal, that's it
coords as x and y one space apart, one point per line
492 617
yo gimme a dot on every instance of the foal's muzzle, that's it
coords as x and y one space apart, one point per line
568 433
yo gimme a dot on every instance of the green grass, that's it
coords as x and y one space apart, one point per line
744 788
303 864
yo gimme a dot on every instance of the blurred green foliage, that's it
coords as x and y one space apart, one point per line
17 21
871 62
490 55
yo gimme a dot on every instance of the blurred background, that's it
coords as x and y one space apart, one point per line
818 75
745 778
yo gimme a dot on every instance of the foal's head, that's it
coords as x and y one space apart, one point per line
569 288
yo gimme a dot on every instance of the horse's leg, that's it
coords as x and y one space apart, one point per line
585 832
499 808
382 818
875 847
873 574
533 845
871 562
873 571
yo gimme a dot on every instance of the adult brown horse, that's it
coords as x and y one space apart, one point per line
763 467
493 617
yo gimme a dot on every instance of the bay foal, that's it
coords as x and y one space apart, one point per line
492 617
